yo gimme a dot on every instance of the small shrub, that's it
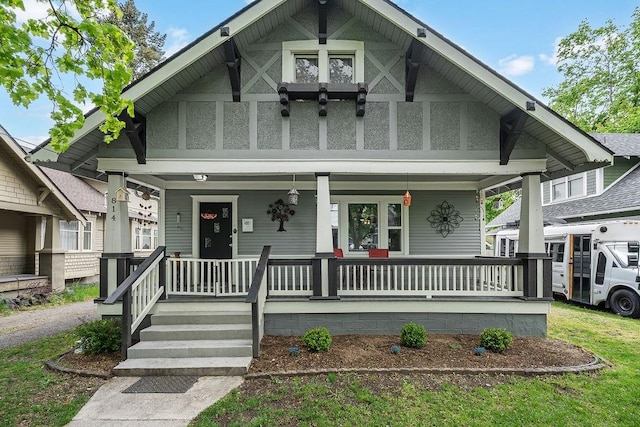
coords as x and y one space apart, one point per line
317 339
496 339
294 351
395 349
100 336
412 335
478 351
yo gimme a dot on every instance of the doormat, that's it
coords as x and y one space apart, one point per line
164 384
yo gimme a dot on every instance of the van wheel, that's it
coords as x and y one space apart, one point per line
625 303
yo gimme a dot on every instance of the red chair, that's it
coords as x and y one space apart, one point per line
338 253
378 253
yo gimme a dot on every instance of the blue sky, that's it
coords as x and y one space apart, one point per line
515 38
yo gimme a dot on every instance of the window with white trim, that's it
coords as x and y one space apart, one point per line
569 187
143 238
76 237
87 236
337 61
370 222
69 234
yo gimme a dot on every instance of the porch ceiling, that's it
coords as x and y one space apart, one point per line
564 155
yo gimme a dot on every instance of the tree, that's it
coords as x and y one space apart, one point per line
148 43
38 56
495 205
601 71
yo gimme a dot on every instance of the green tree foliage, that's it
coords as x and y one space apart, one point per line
600 91
148 42
38 56
495 205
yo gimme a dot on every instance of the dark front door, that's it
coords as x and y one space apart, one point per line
215 231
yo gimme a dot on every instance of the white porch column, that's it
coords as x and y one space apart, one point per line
536 272
531 239
51 257
117 239
324 239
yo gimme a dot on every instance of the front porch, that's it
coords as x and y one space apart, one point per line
209 316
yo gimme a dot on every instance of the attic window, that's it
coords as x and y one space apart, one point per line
338 61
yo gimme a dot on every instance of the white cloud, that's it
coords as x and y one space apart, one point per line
32 10
30 142
514 65
551 59
177 38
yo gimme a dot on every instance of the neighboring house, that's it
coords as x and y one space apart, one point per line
353 104
28 197
84 243
611 192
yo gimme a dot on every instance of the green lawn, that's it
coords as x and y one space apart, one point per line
608 398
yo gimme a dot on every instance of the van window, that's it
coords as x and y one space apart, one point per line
503 247
602 264
557 252
512 248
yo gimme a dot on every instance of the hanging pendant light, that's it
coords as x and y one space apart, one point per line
293 193
406 199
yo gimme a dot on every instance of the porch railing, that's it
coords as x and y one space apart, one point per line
211 277
257 297
289 277
139 292
429 277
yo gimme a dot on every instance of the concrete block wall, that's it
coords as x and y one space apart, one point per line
295 324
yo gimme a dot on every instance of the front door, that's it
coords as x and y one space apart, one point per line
216 231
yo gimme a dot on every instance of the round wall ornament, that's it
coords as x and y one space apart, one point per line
445 218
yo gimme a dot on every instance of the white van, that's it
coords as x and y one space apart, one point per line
594 263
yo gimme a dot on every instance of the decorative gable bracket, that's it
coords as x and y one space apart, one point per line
412 66
232 58
135 129
511 127
322 92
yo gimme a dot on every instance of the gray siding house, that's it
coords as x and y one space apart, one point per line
353 104
30 256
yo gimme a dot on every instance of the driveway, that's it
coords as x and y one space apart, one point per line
31 325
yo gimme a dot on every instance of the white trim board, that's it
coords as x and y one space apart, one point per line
290 166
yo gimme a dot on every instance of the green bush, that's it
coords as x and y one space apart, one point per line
100 336
317 339
496 339
412 335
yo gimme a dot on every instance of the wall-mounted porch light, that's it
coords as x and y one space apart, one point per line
293 193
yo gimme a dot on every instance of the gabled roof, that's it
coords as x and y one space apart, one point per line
68 210
82 195
569 149
622 144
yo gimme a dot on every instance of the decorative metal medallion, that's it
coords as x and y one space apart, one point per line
445 218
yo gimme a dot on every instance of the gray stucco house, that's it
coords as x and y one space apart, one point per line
352 104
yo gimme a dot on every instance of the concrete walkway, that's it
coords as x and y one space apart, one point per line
110 407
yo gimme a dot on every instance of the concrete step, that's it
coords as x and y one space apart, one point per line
191 348
201 318
196 332
200 366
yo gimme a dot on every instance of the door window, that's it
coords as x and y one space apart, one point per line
600 268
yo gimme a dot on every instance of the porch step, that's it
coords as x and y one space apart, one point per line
201 318
200 366
192 342
196 332
190 348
